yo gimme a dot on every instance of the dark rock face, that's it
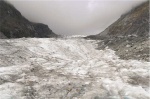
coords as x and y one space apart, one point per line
2 36
129 35
14 25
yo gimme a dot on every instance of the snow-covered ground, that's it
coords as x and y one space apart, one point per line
68 68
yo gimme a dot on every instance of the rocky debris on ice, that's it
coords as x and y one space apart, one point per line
68 68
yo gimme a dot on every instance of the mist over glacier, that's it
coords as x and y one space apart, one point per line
74 17
78 66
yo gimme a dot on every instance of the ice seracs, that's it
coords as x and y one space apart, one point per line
34 68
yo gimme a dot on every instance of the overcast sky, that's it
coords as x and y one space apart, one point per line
74 17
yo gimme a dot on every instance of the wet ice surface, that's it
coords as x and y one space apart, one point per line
68 69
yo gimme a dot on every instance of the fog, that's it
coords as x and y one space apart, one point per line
74 17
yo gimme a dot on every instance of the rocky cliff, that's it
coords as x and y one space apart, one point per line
14 25
129 35
2 36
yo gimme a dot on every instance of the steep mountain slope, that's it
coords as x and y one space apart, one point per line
68 68
14 25
2 36
129 35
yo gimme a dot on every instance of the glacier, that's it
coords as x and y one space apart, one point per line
68 68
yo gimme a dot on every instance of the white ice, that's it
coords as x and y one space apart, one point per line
68 68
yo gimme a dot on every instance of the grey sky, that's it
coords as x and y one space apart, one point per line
67 17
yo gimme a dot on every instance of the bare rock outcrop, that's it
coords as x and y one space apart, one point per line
14 25
129 35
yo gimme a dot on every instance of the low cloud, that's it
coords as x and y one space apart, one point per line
73 17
